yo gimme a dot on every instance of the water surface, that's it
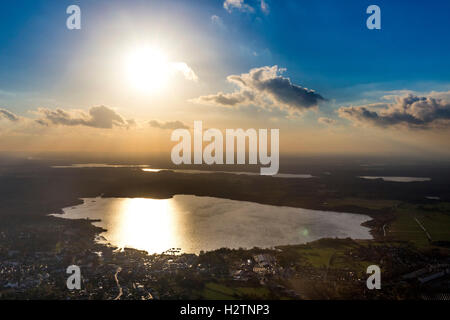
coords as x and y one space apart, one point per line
205 223
397 179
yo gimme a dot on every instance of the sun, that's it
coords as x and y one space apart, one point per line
147 69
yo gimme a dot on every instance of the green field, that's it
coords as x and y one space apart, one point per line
327 254
216 291
363 203
434 218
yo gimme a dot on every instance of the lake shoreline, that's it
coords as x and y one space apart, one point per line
313 223
378 219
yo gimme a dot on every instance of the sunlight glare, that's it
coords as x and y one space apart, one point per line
147 69
146 224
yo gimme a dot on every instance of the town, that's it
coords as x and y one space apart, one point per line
34 258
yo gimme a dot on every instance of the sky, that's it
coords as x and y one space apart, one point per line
138 69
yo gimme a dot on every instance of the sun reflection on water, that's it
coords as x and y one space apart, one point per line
146 224
151 170
204 223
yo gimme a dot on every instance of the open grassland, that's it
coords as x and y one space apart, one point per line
328 254
407 220
362 203
434 218
217 291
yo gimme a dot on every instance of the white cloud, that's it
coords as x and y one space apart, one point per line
412 111
264 87
264 7
229 5
97 117
185 70
216 20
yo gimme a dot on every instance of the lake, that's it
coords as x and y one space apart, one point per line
195 223
397 179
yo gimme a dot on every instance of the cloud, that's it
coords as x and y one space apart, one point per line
229 5
187 72
409 111
240 5
8 115
171 125
216 20
97 117
131 123
264 86
326 121
264 7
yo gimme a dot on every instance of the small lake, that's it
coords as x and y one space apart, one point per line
397 179
195 223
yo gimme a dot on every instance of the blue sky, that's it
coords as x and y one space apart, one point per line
324 45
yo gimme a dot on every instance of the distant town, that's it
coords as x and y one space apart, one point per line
33 268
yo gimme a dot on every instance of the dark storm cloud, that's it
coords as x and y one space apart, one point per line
265 86
411 111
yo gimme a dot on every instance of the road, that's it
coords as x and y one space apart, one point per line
118 284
